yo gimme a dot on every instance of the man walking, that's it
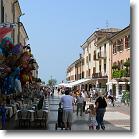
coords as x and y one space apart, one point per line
67 101
84 95
80 102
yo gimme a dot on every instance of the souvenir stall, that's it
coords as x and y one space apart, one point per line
16 64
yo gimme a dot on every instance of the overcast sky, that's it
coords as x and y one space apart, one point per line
57 29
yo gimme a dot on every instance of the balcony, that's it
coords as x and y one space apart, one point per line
101 55
99 75
95 57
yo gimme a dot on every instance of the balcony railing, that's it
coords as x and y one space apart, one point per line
98 75
101 55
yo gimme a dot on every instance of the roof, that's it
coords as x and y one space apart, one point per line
126 28
100 32
24 30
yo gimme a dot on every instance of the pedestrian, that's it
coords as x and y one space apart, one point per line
3 114
68 103
91 96
112 99
80 101
58 91
85 97
92 123
101 105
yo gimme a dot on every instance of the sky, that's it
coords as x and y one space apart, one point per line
57 29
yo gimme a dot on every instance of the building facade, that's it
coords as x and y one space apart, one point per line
119 69
10 13
103 50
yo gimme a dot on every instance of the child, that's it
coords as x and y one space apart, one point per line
92 123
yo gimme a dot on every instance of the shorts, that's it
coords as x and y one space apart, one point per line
67 116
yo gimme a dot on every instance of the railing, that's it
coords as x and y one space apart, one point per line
98 75
101 55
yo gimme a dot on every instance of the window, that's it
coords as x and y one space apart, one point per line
83 61
86 73
100 52
118 44
89 72
94 70
2 12
89 57
99 66
105 49
94 55
127 41
83 74
121 45
105 66
114 48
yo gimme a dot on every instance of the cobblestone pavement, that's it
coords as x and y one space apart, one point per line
116 119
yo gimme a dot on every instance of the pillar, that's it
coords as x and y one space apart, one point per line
117 89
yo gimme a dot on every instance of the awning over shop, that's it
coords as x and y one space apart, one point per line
74 83
118 81
81 81
64 85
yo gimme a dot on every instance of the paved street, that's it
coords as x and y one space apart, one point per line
116 118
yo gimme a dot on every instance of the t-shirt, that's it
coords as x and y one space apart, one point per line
101 102
80 99
67 101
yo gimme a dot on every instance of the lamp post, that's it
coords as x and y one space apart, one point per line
19 23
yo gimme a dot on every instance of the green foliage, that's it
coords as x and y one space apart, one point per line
52 82
115 66
126 97
123 72
119 73
127 63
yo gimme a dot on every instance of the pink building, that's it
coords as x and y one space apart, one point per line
119 79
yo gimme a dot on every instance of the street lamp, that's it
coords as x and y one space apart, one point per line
19 23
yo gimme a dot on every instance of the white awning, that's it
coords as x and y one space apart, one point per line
74 83
81 81
64 85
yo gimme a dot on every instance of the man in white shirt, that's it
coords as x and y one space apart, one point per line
84 95
67 101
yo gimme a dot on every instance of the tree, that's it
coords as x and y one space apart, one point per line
52 82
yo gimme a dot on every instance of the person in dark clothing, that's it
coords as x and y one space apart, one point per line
112 99
3 114
8 100
101 105
40 104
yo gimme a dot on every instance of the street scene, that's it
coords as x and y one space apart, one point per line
62 69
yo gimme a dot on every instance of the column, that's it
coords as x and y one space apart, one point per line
117 89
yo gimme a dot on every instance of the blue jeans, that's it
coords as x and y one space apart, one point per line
99 116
